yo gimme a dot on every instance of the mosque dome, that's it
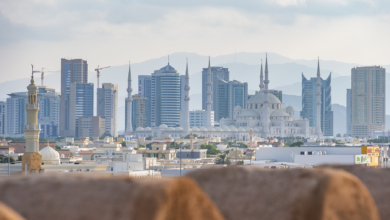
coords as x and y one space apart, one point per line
147 129
171 129
290 109
256 129
194 129
179 129
163 126
226 129
210 129
279 113
233 129
203 129
49 155
218 129
237 108
259 98
241 129
139 129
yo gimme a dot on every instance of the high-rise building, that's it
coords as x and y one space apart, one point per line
108 107
277 93
139 117
217 73
368 92
198 118
349 111
3 118
309 103
72 71
145 90
94 126
230 95
166 97
80 105
48 114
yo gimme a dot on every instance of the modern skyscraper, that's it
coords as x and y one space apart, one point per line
108 107
230 95
349 111
217 73
72 71
368 86
309 103
48 114
80 105
145 90
139 117
3 118
165 97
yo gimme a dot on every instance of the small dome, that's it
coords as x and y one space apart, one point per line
171 129
290 109
226 129
233 129
163 126
241 129
256 129
168 69
210 129
279 113
237 108
218 129
249 113
194 129
259 98
179 129
139 129
224 126
147 129
50 155
248 129
203 129
232 126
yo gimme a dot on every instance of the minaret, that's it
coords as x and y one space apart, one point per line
318 103
129 103
209 93
266 101
187 103
261 77
31 159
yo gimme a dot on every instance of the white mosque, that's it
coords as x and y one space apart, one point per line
263 114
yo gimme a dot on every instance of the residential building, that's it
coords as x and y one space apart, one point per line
230 95
48 113
368 92
217 73
277 93
108 107
309 100
3 118
94 126
80 105
165 97
145 90
72 71
349 111
198 118
139 116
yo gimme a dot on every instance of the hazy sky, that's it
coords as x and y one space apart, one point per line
109 32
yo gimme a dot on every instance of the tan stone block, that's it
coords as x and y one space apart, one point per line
33 161
307 194
6 213
81 197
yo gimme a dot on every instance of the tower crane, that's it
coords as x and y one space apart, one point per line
43 73
98 73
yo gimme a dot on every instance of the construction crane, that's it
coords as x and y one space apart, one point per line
43 73
98 73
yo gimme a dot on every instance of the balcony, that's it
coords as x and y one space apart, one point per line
32 106
32 127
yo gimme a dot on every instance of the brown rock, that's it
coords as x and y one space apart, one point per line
79 197
33 161
6 213
253 193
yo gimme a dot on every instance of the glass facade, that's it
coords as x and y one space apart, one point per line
145 90
217 73
230 95
84 101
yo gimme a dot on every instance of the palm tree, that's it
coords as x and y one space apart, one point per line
222 159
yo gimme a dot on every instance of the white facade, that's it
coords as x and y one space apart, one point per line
198 118
108 107
3 118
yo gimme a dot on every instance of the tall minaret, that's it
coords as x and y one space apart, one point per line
261 77
129 103
187 103
266 101
318 103
209 93
31 159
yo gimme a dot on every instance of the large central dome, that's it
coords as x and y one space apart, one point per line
259 98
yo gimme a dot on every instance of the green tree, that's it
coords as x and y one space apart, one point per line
222 159
241 162
58 147
103 136
20 158
211 149
5 159
149 138
149 146
297 144
123 144
338 135
188 136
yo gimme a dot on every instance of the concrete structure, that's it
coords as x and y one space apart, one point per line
368 85
217 73
159 151
3 118
94 126
198 118
349 112
48 115
72 71
310 101
145 90
139 114
108 107
191 153
166 97
230 95
32 160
